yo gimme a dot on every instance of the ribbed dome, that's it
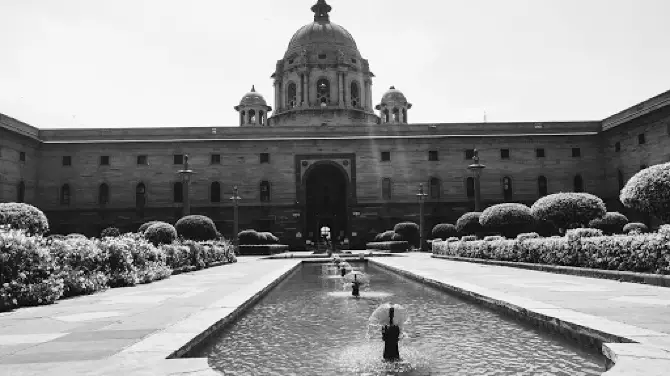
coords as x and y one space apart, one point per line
321 33
253 98
394 95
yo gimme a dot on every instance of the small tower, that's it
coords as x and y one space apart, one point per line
253 109
393 108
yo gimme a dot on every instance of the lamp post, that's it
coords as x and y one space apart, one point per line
235 198
186 173
421 196
476 169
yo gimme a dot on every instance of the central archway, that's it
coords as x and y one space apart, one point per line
326 200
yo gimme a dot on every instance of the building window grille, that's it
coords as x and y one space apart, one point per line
640 139
104 160
386 156
67 160
355 94
433 155
469 154
142 160
617 146
215 159
539 153
323 92
292 96
507 188
265 158
265 191
504 153
22 156
178 159
140 196
576 152
65 194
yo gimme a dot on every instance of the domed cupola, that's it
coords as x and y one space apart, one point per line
393 107
253 109
322 78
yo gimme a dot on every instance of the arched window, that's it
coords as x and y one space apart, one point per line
21 192
265 191
140 196
65 194
261 120
215 192
178 192
542 186
404 115
386 188
622 181
578 183
292 97
470 187
386 115
323 92
252 117
103 194
396 115
507 188
355 94
434 187
242 113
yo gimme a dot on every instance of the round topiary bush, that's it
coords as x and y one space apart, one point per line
509 219
146 225
568 209
248 237
196 227
444 231
22 216
468 223
110 232
610 223
408 231
635 228
649 191
160 233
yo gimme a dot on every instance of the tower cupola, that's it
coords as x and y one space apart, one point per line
253 109
393 107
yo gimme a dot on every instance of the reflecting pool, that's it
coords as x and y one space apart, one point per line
310 325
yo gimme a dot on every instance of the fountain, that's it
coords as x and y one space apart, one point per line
391 317
356 279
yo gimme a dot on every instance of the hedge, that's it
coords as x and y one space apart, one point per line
649 191
26 217
392 246
644 253
635 227
252 237
610 223
196 227
266 249
387 236
568 209
509 219
110 232
444 231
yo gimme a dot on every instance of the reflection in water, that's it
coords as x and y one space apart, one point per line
304 327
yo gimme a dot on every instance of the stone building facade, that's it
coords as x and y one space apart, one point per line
324 157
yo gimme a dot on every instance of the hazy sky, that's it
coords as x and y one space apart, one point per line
132 63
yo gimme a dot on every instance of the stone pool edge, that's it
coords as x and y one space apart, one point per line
624 353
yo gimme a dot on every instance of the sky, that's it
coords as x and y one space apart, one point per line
179 63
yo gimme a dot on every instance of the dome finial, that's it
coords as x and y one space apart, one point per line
321 10
253 88
392 88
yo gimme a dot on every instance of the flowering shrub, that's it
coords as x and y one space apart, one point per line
149 261
110 232
177 256
196 227
407 231
528 235
509 219
649 191
635 227
468 223
610 223
160 233
577 233
82 265
26 217
444 231
493 238
119 268
568 210
468 238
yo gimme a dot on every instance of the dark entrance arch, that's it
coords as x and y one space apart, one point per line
326 192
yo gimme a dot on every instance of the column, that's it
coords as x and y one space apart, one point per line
276 94
364 96
308 101
302 89
340 89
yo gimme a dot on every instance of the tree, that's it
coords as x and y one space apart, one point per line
648 191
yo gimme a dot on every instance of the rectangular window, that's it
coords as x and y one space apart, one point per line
67 160
216 159
469 154
22 156
432 155
142 160
322 56
640 139
265 158
576 152
504 153
178 159
104 160
386 156
617 147
539 153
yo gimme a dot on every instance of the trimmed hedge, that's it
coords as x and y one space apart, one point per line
26 217
468 238
160 233
576 233
610 223
196 227
568 209
468 223
387 236
392 246
493 238
444 231
146 225
252 237
110 232
644 253
529 235
649 191
265 249
407 231
635 227
509 219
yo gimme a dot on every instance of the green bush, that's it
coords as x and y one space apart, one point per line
649 191
120 268
110 232
75 235
268 238
635 228
262 249
493 238
468 238
468 223
26 217
529 235
160 233
610 223
577 233
509 219
146 225
407 231
391 246
444 231
248 237
387 236
452 239
196 227
568 210
82 265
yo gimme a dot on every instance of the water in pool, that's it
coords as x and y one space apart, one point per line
308 325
